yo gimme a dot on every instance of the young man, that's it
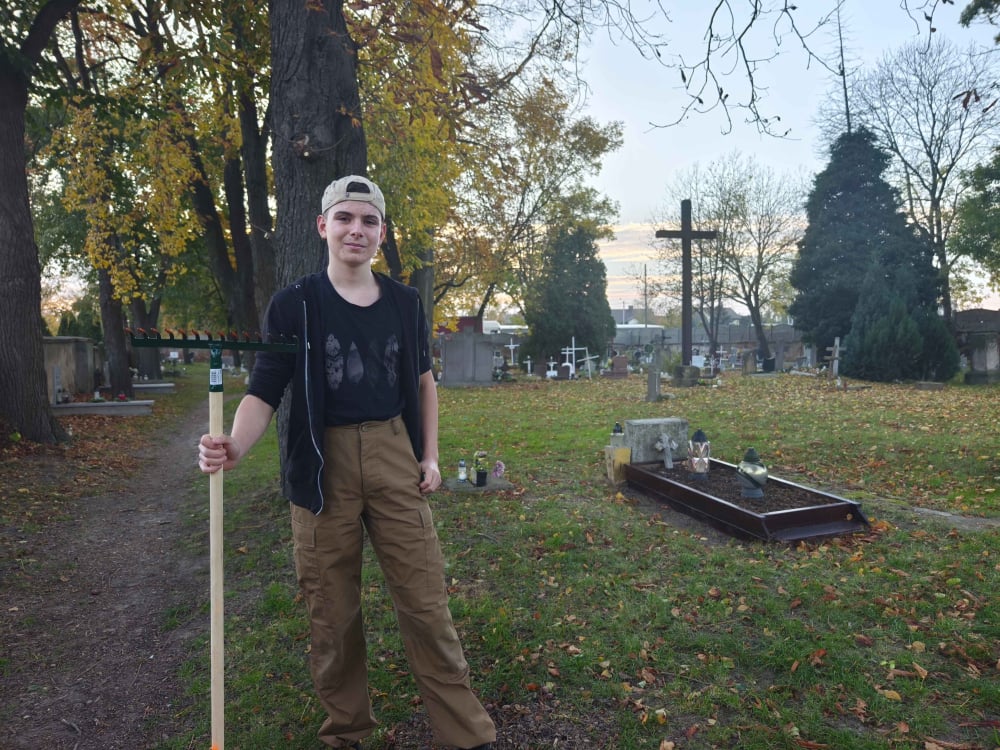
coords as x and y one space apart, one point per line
361 454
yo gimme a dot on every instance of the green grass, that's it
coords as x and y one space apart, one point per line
574 603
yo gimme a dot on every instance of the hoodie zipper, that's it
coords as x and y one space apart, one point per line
309 410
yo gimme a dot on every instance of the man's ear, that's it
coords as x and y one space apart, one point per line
321 225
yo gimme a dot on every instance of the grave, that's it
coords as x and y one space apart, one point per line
639 457
134 408
467 357
686 376
806 513
642 435
619 368
70 363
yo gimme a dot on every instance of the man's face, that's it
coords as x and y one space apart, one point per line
353 231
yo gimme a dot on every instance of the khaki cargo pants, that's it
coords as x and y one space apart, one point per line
371 483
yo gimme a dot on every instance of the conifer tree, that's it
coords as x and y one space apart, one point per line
850 214
864 274
570 300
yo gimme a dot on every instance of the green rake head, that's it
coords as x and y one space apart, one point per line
216 344
206 340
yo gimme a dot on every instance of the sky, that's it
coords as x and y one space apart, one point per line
642 94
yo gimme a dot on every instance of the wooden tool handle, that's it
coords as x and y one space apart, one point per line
215 538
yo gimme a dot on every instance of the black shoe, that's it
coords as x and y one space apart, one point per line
487 746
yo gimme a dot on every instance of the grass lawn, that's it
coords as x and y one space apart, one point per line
591 617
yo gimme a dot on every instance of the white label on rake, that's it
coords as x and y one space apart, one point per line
215 377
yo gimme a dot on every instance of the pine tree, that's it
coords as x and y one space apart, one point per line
850 213
570 299
865 274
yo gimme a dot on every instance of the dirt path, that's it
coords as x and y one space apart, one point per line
87 658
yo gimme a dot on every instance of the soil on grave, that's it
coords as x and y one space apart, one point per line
723 483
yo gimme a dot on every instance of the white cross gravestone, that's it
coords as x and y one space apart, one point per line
512 348
569 352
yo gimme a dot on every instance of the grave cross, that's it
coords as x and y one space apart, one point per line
834 359
569 352
685 234
512 347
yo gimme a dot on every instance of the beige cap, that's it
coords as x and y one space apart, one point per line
353 188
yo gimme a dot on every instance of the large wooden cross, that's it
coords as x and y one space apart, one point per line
685 234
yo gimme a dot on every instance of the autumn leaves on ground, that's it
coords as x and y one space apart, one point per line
593 617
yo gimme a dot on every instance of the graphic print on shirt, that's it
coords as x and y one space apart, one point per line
355 370
379 362
391 362
334 363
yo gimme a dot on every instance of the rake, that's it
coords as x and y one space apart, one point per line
215 344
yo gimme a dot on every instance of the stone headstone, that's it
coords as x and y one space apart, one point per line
686 376
642 435
467 357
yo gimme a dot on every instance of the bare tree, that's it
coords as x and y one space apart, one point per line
757 215
768 224
711 278
913 102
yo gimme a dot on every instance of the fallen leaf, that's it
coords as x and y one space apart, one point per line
816 657
891 695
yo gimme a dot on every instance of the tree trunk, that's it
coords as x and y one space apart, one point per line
243 302
423 280
316 111
24 402
390 251
317 133
113 325
758 326
147 358
254 156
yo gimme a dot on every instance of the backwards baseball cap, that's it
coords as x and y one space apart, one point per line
353 188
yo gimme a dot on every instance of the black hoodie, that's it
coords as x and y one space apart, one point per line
294 311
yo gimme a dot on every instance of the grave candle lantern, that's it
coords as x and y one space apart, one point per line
482 469
752 475
699 450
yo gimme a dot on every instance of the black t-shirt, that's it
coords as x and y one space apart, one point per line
361 360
